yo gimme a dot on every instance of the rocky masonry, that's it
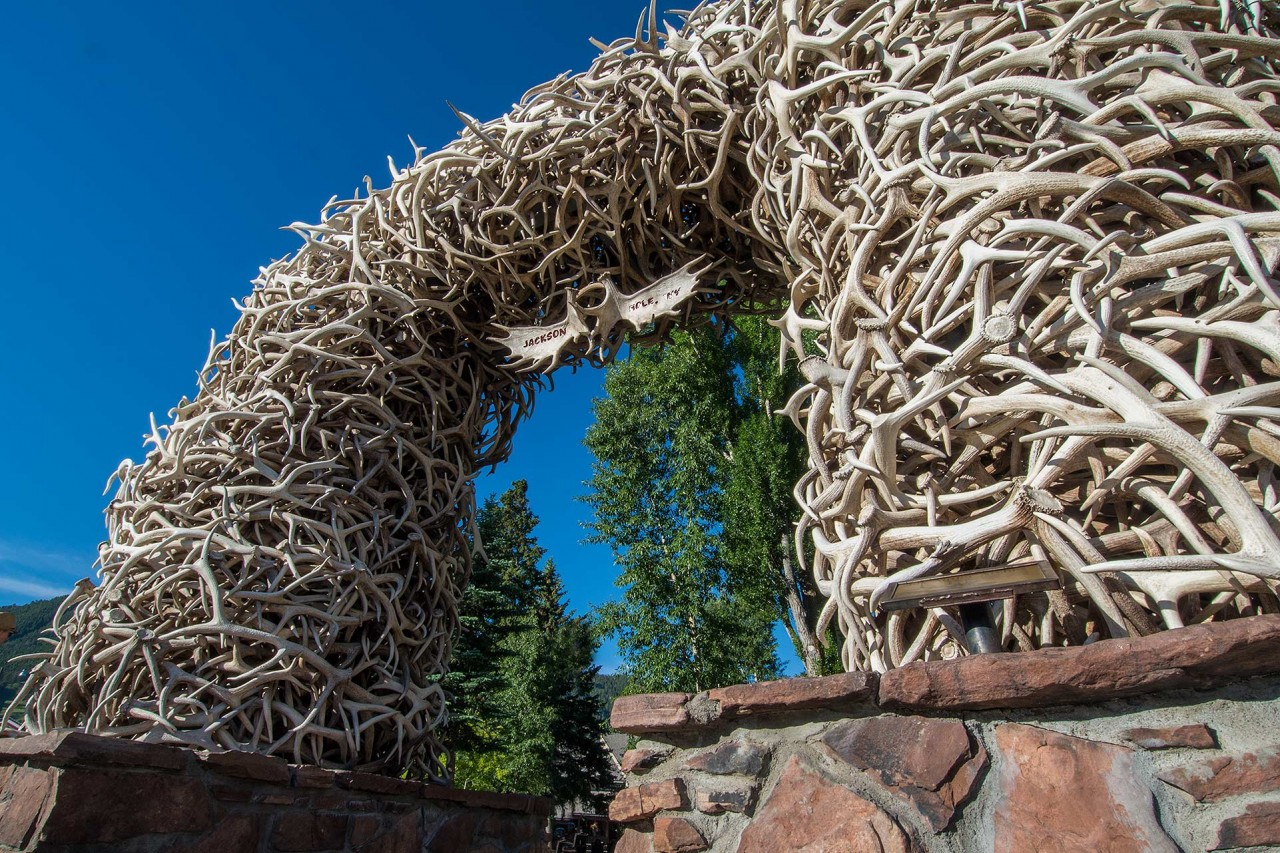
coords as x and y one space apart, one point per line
74 793
1161 743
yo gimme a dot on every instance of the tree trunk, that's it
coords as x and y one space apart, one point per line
799 628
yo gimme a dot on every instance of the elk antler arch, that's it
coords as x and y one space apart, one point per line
1035 247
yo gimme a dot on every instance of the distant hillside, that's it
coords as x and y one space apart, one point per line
32 619
608 688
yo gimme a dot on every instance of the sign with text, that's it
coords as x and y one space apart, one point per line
539 347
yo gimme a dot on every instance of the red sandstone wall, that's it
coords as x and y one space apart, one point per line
75 793
1162 743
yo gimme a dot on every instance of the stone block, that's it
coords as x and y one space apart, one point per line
1213 779
650 712
310 776
642 760
831 692
1258 826
363 828
724 795
1193 736
231 834
807 812
740 757
1063 794
376 784
232 793
932 764
331 799
676 835
521 803
67 747
247 765
400 805
25 798
1199 656
402 834
309 832
113 802
95 805
645 801
634 841
457 833
508 832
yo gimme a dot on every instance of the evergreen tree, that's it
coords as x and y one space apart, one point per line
487 617
557 743
527 718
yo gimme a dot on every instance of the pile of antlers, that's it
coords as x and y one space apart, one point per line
1027 258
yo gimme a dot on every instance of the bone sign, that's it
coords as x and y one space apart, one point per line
1024 253
541 347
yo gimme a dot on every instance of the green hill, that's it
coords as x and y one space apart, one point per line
607 688
32 619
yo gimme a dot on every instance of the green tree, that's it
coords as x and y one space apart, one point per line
525 715
557 729
768 456
692 490
488 615
662 442
476 679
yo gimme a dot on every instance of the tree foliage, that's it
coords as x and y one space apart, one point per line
525 716
691 489
768 458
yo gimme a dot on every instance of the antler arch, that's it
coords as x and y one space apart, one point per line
1034 245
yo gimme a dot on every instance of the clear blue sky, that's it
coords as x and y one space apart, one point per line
154 152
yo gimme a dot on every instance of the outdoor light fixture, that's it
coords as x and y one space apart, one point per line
971 591
1019 576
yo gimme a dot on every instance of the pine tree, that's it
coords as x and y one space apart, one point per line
552 693
536 726
487 617
581 768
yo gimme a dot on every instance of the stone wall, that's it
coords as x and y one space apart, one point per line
1162 743
76 793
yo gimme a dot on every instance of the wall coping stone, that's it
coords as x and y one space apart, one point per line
1198 657
74 748
247 765
832 692
66 747
650 712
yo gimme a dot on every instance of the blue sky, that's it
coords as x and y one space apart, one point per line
153 158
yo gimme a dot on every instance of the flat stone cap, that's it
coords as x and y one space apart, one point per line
660 712
1198 657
